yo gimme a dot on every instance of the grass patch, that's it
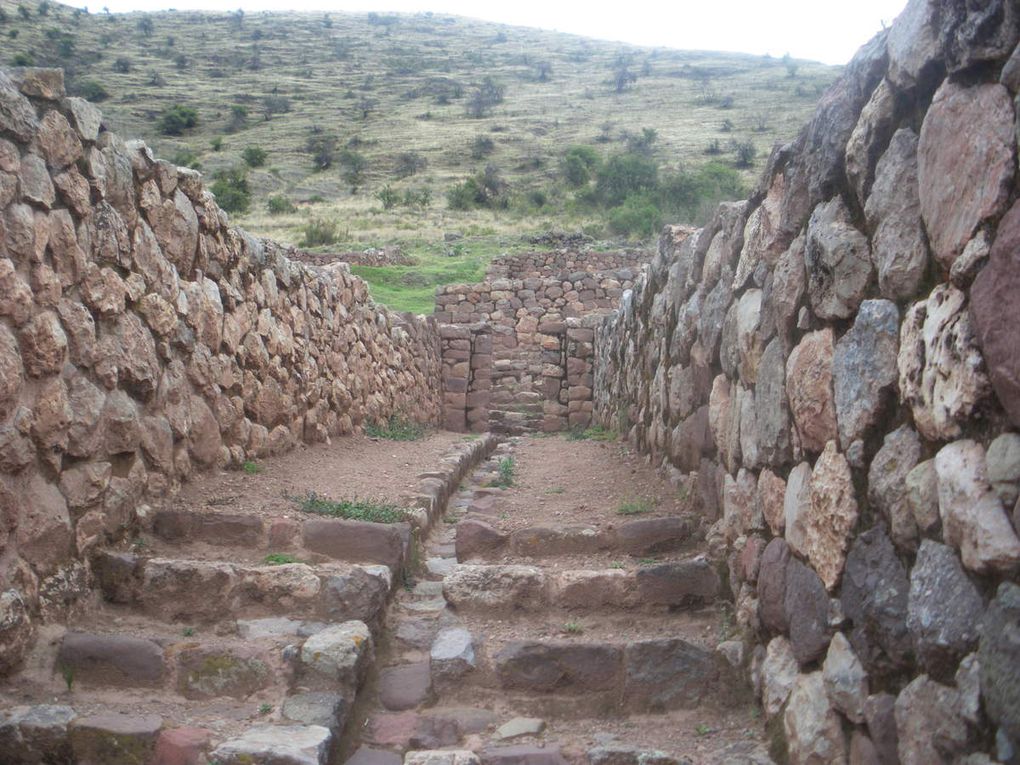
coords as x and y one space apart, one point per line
616 565
397 428
635 507
505 479
251 468
279 559
573 628
594 433
555 490
351 509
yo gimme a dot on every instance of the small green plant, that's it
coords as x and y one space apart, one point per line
251 468
594 433
616 564
67 672
703 730
139 543
555 490
635 507
265 709
573 628
188 632
231 190
647 561
397 428
279 559
216 144
352 509
505 479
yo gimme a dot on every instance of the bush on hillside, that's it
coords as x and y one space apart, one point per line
318 232
280 205
177 119
579 165
639 215
625 174
254 156
231 190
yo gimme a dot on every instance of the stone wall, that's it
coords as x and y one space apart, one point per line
143 339
517 352
563 263
831 369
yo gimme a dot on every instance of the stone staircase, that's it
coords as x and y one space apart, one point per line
512 651
204 643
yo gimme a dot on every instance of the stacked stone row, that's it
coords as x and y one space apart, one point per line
831 368
562 263
142 338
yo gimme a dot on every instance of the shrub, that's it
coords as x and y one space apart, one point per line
409 163
145 26
745 152
485 96
91 90
397 428
216 144
187 158
177 119
280 205
354 165
388 197
254 156
482 147
353 509
486 190
579 164
626 174
322 147
319 232
231 190
275 105
21 59
122 65
420 198
637 216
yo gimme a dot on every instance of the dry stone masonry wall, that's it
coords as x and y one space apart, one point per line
517 352
832 370
142 339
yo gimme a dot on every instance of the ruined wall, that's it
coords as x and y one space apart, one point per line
563 263
832 370
143 339
517 352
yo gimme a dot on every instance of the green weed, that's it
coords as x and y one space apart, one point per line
573 628
351 509
635 507
397 428
251 468
67 672
555 490
188 632
594 433
279 559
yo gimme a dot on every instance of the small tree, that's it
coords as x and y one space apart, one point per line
353 166
279 205
623 77
485 96
177 119
254 156
275 104
543 71
145 26
579 165
322 147
122 65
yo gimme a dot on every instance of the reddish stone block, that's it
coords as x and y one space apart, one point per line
181 746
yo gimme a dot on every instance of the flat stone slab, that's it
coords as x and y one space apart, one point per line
367 756
545 667
358 541
442 757
523 754
406 686
111 660
519 726
323 708
114 739
276 744
36 733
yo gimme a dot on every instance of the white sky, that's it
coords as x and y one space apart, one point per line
822 30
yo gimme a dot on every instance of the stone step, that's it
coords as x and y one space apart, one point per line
570 666
116 734
479 538
387 544
202 591
500 588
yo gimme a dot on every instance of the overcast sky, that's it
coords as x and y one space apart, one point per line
822 30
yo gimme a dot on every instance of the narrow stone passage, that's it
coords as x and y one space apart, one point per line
560 622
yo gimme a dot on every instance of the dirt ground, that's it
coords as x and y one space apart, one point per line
559 482
351 467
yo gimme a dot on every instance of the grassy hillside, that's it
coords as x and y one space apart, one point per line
403 109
